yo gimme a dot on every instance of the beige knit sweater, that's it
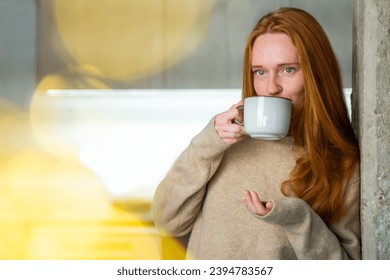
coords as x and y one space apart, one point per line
202 194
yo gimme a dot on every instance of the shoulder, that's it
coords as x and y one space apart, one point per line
355 175
352 186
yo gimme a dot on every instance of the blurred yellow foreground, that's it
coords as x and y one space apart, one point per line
52 207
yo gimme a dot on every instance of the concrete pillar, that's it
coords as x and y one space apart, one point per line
371 116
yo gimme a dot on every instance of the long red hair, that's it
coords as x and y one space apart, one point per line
321 126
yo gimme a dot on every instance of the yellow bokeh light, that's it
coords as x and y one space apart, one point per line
128 39
52 207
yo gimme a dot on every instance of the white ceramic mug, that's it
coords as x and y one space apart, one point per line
266 117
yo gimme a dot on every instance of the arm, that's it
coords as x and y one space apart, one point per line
178 198
310 237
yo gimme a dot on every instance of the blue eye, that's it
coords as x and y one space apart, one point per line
260 72
289 70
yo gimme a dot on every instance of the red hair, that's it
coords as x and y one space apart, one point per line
321 126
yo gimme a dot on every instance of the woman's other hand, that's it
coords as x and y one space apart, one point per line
228 131
255 205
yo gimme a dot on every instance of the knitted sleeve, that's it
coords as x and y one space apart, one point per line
178 198
310 237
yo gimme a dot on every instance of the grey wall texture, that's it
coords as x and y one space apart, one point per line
371 103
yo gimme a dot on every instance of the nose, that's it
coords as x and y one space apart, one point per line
273 85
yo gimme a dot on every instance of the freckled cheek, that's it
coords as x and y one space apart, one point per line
297 95
297 99
297 103
260 88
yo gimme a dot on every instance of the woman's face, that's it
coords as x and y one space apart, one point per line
276 69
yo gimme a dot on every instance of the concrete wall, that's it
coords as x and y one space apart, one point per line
371 103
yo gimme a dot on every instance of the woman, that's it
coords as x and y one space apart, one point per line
294 198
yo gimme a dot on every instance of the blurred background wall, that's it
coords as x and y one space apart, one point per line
18 46
181 44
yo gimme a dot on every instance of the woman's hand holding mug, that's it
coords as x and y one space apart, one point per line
230 132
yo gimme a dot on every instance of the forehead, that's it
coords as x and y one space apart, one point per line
274 48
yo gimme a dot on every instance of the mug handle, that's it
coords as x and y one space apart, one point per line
235 121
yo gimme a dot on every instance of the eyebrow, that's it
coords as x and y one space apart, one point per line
279 65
